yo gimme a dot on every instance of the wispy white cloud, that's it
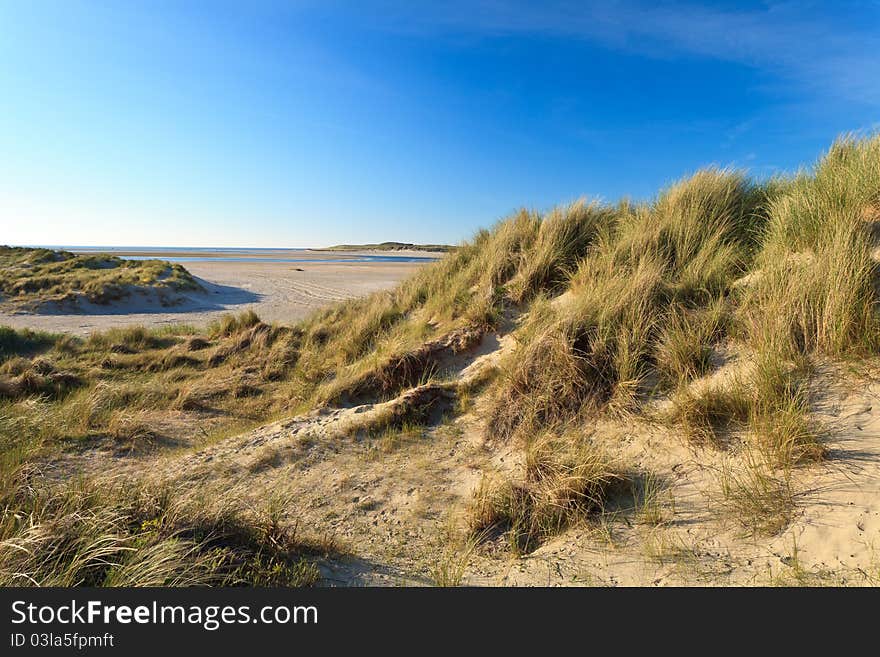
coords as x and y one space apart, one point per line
830 48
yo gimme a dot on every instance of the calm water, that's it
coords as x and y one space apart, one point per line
359 258
236 254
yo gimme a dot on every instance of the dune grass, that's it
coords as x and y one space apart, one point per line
684 343
563 237
769 405
25 342
567 480
656 273
80 534
816 289
114 388
31 278
706 415
756 495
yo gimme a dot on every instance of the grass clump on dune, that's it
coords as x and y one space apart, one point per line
625 265
563 238
705 414
468 285
652 269
779 421
684 344
25 342
160 385
757 495
230 324
815 290
567 480
770 404
31 278
464 291
127 340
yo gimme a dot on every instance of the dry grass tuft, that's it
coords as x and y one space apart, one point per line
816 292
567 480
757 496
705 415
564 237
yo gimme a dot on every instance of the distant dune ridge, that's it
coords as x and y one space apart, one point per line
639 393
390 246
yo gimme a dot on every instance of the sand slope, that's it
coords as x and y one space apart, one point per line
396 505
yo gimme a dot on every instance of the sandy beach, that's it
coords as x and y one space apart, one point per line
276 291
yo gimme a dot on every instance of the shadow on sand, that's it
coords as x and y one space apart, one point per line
215 297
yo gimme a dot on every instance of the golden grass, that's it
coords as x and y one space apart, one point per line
563 238
756 495
646 296
816 289
706 414
769 404
567 479
82 534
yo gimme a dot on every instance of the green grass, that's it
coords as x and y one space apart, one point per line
779 421
757 496
706 415
116 386
25 342
651 273
563 238
684 345
769 404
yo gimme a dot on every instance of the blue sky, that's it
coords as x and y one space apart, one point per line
312 123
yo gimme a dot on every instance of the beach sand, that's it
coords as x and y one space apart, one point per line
277 291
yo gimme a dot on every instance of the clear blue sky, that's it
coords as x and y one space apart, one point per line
311 123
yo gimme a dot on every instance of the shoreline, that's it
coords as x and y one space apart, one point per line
163 253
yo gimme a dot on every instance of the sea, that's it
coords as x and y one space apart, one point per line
227 254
